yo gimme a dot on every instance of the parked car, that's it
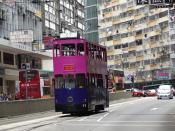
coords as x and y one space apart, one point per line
173 91
151 92
129 90
165 91
137 92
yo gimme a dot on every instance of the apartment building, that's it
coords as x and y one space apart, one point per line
91 20
140 40
63 16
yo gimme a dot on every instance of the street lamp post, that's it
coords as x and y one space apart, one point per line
123 68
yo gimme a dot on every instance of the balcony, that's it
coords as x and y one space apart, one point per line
153 44
140 58
118 62
115 22
128 39
154 66
138 37
138 48
107 15
137 17
154 33
166 18
111 52
152 23
117 42
132 48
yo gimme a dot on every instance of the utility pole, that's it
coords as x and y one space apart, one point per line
26 67
26 84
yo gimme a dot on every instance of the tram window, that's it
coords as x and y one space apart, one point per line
69 81
59 82
95 52
92 51
80 80
98 53
93 81
100 83
57 51
87 49
80 49
68 50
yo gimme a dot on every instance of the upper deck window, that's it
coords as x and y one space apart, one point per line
57 51
80 49
68 50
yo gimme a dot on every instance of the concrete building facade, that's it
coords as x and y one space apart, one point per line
91 20
63 16
140 40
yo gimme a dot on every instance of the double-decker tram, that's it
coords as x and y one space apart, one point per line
80 72
32 85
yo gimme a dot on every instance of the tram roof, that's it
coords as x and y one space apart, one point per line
75 39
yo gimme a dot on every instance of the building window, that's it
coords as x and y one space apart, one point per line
8 58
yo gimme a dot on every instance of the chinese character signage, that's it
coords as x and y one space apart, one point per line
162 75
155 2
142 2
161 1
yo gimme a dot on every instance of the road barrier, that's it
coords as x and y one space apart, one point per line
14 108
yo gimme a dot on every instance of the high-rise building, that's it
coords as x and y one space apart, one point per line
140 40
91 20
64 16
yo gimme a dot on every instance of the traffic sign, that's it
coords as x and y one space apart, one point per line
25 66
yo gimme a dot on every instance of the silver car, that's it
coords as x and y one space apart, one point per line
165 91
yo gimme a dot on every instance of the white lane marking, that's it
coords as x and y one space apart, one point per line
24 123
117 125
102 117
127 102
113 107
82 119
135 121
153 109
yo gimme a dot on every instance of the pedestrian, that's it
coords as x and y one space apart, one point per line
1 96
5 97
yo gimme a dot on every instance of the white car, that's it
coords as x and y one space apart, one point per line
165 91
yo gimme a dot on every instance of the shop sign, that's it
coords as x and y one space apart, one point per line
21 36
11 72
162 75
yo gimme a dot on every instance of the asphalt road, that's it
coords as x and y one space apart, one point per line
136 114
